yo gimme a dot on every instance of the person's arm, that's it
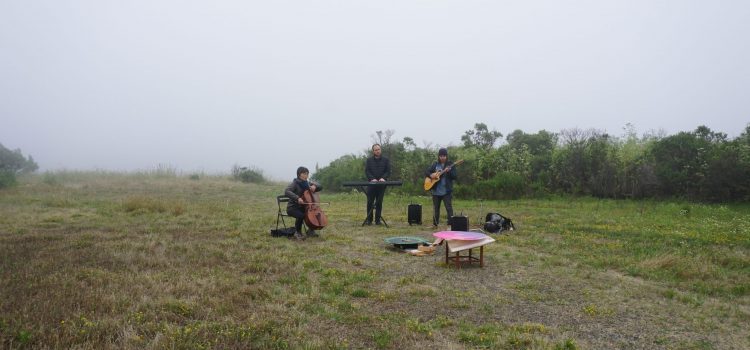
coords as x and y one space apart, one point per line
289 192
387 172
430 170
368 170
318 187
452 174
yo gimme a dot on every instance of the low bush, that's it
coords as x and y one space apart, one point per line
13 163
7 179
248 175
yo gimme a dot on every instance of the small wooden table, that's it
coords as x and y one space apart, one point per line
458 258
458 241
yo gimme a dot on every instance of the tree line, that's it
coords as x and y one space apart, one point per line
701 165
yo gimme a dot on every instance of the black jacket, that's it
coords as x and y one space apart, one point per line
295 190
377 168
447 177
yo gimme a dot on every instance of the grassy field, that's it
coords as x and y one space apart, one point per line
107 260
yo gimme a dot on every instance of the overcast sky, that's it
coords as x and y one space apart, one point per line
204 85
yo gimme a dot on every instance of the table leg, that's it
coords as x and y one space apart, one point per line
446 253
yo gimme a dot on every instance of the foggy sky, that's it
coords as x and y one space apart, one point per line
201 86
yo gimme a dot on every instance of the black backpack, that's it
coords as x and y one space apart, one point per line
283 232
494 223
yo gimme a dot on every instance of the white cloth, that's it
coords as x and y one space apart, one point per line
455 245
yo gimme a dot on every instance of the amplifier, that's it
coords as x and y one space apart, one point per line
414 212
459 223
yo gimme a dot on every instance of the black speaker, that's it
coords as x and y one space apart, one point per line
414 212
459 223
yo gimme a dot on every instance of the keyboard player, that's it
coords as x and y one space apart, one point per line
377 169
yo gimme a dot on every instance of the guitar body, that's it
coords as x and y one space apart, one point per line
429 182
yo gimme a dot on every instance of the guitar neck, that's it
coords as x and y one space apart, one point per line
450 166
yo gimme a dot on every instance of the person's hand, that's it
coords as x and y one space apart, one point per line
433 176
374 180
382 179
300 201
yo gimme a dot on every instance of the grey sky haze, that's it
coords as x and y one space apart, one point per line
201 86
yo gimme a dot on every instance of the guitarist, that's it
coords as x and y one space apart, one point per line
442 191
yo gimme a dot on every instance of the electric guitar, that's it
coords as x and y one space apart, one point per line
429 182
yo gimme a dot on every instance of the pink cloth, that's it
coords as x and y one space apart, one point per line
460 235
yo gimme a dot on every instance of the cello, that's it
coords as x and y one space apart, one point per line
315 218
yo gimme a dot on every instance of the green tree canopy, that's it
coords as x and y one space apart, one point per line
13 163
481 137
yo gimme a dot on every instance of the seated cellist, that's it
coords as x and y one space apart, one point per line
295 207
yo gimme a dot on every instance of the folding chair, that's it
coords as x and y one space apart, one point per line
282 212
283 199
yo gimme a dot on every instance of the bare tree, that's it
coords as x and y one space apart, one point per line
383 137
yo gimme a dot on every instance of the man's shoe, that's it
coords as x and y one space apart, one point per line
368 223
298 236
312 233
378 223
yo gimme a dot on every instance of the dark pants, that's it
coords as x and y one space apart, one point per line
375 196
299 214
436 208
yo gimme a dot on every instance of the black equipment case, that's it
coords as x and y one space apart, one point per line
414 212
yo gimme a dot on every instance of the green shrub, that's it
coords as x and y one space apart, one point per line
13 163
248 175
501 186
7 179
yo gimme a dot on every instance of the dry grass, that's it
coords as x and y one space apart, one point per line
160 261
